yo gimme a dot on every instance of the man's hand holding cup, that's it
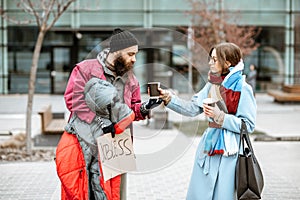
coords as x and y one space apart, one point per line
154 101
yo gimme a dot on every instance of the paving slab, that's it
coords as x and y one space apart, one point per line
280 161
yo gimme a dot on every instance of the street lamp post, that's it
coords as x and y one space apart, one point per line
190 44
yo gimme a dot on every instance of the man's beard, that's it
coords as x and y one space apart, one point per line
121 66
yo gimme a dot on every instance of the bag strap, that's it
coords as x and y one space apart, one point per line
244 137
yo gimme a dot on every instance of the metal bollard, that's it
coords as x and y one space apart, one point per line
160 117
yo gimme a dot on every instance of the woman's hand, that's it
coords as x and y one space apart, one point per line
214 112
165 95
208 111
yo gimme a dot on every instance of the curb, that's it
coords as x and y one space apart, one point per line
267 138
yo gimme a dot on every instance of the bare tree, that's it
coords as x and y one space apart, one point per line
45 13
212 26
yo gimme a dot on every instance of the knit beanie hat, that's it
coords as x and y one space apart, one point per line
122 39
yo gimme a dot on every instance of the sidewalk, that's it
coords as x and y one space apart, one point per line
280 162
166 173
277 119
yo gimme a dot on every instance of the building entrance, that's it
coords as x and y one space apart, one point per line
59 71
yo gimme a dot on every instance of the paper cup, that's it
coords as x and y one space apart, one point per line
153 89
209 102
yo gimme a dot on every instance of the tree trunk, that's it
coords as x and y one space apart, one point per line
31 87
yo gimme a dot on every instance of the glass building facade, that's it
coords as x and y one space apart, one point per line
163 49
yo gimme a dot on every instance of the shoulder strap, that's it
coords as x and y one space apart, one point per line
244 137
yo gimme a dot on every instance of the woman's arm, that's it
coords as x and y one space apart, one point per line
189 108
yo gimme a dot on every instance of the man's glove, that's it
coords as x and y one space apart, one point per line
110 129
106 125
150 104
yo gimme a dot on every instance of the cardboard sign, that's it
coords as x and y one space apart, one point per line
116 154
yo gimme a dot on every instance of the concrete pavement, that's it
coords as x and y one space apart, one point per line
280 161
276 119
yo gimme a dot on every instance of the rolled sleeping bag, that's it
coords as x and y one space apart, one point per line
103 99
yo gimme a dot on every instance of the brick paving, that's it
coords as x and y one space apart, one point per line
280 162
170 182
280 165
28 181
38 180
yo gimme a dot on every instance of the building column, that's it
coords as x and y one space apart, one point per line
148 21
3 54
289 44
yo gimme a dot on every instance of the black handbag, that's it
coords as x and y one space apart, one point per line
248 176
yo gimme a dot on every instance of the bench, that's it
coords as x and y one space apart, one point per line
291 88
51 125
289 93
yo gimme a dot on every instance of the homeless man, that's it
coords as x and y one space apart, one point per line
115 66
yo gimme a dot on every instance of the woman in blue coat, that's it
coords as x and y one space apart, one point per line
213 176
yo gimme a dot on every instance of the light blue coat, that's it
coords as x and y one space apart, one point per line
213 177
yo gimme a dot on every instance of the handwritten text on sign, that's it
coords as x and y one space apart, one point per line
115 148
116 154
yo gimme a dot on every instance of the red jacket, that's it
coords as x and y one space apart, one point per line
69 157
81 74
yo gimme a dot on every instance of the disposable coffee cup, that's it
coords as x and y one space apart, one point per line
153 89
209 102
